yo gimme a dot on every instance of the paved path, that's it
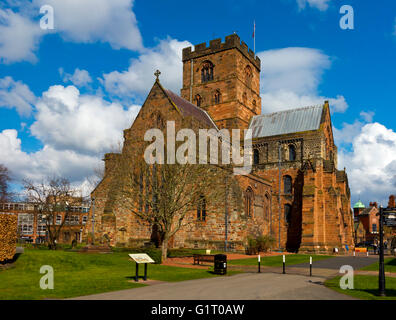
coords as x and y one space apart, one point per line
258 286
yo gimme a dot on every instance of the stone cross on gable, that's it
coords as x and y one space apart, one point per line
157 74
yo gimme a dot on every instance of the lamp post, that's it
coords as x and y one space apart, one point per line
93 221
226 215
381 276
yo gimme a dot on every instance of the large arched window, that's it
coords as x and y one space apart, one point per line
287 211
256 156
201 208
217 97
249 202
207 71
287 184
198 100
292 153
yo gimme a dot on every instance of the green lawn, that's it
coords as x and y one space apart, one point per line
365 287
277 261
77 274
390 265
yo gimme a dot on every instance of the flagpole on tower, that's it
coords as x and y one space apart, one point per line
254 36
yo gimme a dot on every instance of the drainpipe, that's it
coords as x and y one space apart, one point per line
279 195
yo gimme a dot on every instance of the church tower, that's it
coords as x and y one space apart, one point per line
224 80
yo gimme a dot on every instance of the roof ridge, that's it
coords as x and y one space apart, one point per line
289 110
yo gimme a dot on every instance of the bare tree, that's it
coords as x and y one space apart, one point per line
53 198
4 182
163 195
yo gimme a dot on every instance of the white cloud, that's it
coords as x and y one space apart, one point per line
371 164
15 94
290 78
45 162
322 5
67 120
138 79
79 78
87 21
97 20
75 130
19 37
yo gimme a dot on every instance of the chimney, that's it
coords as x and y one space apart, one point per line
373 204
391 203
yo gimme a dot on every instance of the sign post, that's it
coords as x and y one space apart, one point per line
141 258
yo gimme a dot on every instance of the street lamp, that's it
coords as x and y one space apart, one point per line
381 276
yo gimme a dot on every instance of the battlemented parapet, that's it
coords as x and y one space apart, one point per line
232 41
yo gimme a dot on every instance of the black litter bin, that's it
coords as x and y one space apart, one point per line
220 264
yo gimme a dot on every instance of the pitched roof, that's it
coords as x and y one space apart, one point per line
288 121
190 110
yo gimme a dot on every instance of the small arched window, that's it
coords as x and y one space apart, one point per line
292 153
244 98
287 184
249 202
198 100
288 211
256 156
201 208
217 97
207 71
248 75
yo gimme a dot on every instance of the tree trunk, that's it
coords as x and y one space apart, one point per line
164 249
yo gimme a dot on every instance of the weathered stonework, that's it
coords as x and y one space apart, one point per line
319 198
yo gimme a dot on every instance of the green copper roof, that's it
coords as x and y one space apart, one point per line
359 205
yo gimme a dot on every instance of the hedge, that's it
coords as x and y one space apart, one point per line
8 236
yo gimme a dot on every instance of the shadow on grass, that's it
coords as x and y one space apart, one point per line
392 262
388 292
9 262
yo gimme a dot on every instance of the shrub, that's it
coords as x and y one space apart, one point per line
259 244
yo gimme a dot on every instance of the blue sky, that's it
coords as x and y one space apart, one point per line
66 94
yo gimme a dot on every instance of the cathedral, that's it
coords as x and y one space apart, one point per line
294 193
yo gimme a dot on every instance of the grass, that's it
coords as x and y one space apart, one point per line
365 287
277 261
78 274
390 265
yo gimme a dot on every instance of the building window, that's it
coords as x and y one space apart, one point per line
207 71
217 97
198 100
249 202
292 153
84 220
201 209
287 210
248 75
244 98
374 226
267 205
256 156
287 184
254 105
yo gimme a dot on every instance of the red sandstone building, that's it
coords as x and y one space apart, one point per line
295 192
